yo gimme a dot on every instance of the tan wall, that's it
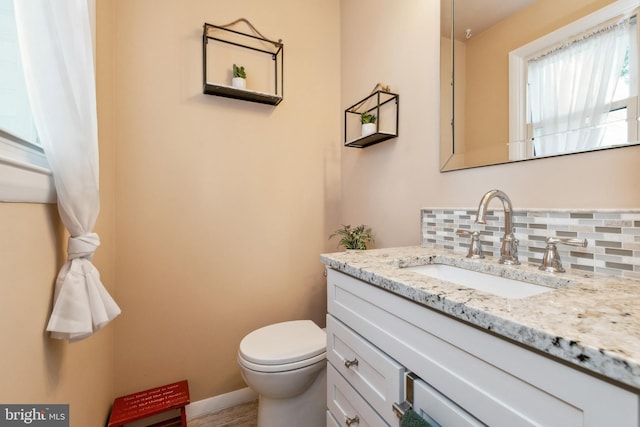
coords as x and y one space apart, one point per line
386 185
35 368
383 185
223 206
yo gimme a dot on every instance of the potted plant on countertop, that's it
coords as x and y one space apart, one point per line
239 79
354 238
368 121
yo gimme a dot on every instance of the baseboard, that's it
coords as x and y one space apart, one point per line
220 402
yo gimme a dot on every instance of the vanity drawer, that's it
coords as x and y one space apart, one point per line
376 376
346 404
331 421
439 410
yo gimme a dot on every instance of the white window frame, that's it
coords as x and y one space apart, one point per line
24 172
520 147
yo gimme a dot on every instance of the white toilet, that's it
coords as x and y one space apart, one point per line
285 363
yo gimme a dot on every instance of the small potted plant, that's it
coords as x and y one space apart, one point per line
354 238
239 77
368 121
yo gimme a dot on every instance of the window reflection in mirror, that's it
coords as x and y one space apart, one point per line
498 100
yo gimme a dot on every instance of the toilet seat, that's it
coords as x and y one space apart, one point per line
284 367
283 346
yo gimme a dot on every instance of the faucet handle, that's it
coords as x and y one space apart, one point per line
566 241
475 247
551 258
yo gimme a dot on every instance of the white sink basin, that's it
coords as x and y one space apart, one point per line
500 286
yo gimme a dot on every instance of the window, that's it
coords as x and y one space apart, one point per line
15 112
579 95
24 172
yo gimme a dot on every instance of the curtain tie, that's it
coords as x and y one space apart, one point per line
83 246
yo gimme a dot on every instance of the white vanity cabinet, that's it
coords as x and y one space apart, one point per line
466 375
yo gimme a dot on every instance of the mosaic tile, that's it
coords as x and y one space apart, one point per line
609 234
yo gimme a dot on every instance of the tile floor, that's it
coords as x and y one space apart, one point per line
238 416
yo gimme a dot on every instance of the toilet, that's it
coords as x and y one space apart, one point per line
285 364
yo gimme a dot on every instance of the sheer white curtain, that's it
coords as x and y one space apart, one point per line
571 89
57 52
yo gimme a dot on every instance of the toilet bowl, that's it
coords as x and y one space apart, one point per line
285 364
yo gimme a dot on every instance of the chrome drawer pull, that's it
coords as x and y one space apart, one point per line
354 420
350 363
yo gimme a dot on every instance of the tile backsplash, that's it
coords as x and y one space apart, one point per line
613 236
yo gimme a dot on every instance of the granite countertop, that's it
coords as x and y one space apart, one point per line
592 321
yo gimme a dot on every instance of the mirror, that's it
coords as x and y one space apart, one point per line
496 106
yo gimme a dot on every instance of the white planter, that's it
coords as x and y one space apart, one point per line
368 129
239 83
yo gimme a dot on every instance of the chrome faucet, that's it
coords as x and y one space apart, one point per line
509 251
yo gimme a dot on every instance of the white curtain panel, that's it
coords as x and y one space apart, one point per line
57 51
571 90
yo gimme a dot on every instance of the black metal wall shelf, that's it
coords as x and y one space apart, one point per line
368 140
257 50
244 94
385 108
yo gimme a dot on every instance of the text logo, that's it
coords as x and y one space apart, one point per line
34 415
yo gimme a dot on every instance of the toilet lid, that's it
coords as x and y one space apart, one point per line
285 342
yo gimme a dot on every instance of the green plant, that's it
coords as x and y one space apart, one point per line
239 72
354 238
367 118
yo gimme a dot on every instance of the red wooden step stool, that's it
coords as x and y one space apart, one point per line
143 404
